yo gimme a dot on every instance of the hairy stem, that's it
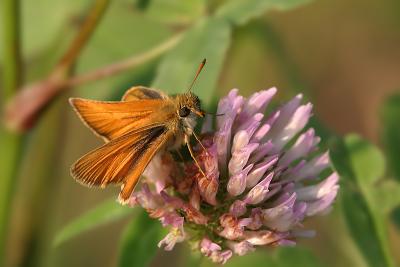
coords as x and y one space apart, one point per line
39 95
24 109
11 49
10 143
85 32
125 64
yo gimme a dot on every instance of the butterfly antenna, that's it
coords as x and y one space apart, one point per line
197 74
217 115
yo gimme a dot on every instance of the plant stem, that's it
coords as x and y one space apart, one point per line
85 32
11 49
42 151
125 64
10 143
26 106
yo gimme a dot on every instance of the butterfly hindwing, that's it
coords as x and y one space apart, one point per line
120 161
141 92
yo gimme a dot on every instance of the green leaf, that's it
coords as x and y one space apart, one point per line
142 4
240 12
38 33
114 41
322 131
207 39
106 212
362 226
139 241
390 114
55 16
396 217
280 257
387 195
298 257
191 258
360 165
366 161
176 11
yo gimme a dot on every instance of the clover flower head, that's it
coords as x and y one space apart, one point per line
264 175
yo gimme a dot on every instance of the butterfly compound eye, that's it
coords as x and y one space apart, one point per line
184 112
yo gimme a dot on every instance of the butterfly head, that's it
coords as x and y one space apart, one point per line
189 106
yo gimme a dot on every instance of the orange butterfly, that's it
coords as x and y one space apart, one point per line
144 122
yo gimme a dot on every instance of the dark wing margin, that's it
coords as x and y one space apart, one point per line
141 92
121 161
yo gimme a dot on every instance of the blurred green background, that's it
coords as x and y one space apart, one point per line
344 55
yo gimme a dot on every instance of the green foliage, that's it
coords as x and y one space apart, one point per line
280 257
367 197
396 217
361 165
390 114
10 143
39 34
207 39
361 225
176 11
387 195
240 12
365 161
139 241
118 37
104 213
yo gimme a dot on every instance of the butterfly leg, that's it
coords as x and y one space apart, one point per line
180 156
192 155
201 144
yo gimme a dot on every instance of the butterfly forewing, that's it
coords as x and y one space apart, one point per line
114 119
